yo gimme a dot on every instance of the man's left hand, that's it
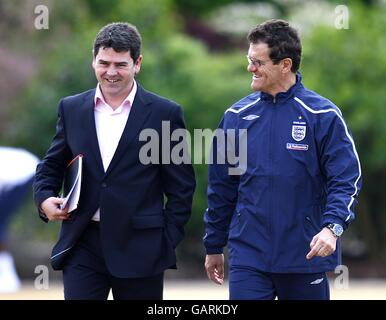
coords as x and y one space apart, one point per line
323 244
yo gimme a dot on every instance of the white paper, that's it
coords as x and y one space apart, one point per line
72 199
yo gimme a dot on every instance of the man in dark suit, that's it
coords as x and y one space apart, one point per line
131 214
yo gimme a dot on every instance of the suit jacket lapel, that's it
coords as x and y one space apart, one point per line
138 114
87 113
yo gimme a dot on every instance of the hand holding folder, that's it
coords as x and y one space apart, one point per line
72 183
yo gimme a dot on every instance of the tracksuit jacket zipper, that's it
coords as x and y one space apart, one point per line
271 217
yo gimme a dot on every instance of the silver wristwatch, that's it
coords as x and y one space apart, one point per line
336 229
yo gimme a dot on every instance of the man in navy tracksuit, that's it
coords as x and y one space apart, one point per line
282 217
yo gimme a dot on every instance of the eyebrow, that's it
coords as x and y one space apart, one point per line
122 63
252 58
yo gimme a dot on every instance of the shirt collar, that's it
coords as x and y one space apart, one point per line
100 102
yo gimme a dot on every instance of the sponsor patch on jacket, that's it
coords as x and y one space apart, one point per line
297 146
251 117
298 132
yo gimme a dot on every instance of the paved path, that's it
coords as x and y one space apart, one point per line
204 290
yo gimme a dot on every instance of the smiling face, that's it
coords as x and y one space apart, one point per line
115 73
266 76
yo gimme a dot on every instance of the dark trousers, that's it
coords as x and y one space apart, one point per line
86 277
250 284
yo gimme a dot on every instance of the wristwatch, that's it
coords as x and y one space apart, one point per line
336 229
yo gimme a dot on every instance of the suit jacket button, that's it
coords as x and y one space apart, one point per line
104 185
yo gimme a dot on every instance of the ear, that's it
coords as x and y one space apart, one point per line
138 64
93 63
287 65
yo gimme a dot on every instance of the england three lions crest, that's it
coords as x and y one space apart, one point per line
298 132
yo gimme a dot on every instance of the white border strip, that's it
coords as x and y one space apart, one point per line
339 114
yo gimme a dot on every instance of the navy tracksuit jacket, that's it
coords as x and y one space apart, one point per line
302 173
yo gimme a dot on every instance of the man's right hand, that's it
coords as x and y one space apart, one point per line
214 265
51 208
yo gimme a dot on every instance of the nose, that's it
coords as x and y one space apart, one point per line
251 67
111 71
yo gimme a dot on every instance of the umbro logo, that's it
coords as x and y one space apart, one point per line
251 117
317 281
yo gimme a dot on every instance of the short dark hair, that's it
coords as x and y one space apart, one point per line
120 36
281 38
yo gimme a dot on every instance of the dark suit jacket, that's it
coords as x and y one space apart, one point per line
143 207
